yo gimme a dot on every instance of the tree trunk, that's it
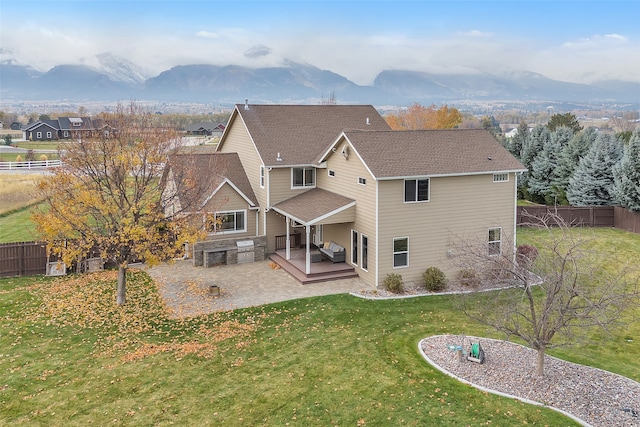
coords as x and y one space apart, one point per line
122 285
540 363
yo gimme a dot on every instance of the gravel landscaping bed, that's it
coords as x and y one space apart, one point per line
596 397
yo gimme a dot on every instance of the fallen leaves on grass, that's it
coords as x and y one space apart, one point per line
141 327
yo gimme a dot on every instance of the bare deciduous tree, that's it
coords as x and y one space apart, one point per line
553 298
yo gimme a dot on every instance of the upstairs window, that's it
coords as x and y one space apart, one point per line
500 177
362 181
416 190
262 178
303 177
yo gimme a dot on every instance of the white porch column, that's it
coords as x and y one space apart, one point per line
288 255
307 254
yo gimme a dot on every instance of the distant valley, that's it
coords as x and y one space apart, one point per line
108 78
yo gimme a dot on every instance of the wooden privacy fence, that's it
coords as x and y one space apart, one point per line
624 219
23 259
591 216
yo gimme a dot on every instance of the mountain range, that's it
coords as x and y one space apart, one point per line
105 77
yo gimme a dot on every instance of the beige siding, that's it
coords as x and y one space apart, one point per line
227 199
345 182
239 141
458 207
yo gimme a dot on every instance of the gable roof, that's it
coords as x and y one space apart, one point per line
208 126
443 152
300 132
314 205
201 175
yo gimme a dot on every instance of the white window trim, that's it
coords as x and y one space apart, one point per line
416 180
262 176
497 176
331 173
394 252
362 257
235 211
297 187
39 135
66 133
362 181
49 135
490 242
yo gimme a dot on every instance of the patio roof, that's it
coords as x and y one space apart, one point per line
318 206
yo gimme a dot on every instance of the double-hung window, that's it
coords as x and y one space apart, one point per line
495 241
303 177
400 252
227 222
416 190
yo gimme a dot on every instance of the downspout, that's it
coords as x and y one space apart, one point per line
377 239
266 209
515 214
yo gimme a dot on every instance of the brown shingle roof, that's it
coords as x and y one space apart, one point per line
312 205
301 132
198 174
395 154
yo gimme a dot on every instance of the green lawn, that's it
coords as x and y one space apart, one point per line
70 357
16 226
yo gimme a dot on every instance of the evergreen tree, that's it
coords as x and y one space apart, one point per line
626 175
576 149
592 182
568 120
519 140
544 169
532 147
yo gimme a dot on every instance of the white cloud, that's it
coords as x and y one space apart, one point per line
208 34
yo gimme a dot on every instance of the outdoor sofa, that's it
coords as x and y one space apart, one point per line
333 252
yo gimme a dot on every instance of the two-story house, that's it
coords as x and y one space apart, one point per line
392 200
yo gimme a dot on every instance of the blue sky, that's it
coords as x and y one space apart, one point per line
580 41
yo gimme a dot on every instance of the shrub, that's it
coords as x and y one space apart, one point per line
43 157
434 279
30 156
526 255
393 282
18 158
469 277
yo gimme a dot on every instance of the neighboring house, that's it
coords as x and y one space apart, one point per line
61 128
207 129
16 126
394 200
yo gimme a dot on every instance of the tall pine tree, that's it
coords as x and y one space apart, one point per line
544 169
519 140
576 149
532 147
592 182
626 175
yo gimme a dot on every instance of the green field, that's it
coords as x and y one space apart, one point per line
71 357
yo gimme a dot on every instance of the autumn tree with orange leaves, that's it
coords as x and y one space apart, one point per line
106 198
420 117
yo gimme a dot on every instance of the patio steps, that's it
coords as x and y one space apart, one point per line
321 272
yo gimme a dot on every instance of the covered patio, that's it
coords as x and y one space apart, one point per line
315 207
